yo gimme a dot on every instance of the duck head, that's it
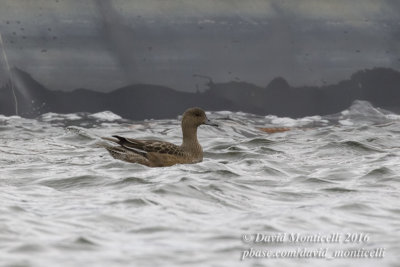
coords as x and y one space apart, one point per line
194 117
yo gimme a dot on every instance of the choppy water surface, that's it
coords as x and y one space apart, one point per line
66 202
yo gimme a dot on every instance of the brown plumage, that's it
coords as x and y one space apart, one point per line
274 129
154 153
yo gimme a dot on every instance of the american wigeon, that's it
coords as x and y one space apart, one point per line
154 153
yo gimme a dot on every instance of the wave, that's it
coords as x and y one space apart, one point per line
325 174
359 113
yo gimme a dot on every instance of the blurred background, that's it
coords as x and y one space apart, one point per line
236 49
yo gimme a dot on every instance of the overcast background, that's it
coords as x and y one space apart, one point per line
103 45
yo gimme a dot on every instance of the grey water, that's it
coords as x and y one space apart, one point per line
66 202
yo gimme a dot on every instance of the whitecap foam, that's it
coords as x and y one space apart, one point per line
284 121
6 118
105 116
51 116
393 117
222 112
346 122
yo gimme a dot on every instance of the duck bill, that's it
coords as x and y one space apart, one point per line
211 123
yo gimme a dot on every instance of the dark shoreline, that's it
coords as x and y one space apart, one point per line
380 86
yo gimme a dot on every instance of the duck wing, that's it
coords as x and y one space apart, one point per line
146 146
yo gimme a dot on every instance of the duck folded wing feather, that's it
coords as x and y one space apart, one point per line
150 146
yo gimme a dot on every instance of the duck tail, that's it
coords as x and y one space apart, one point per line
123 154
114 140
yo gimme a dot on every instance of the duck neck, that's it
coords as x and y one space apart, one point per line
190 141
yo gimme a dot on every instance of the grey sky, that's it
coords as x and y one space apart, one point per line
101 44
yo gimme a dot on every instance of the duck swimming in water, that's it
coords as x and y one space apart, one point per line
154 153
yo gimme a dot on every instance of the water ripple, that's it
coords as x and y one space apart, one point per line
66 200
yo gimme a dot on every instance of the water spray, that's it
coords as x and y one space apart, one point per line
10 74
